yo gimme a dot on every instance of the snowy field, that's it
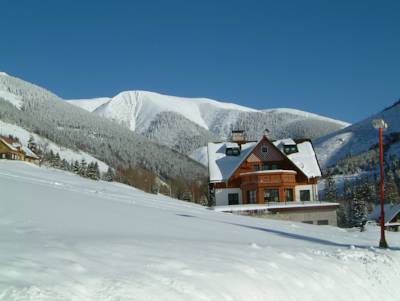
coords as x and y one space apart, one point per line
68 238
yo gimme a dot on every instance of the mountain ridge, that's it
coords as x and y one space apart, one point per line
97 104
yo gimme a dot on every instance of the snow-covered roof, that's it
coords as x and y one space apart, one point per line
287 141
29 153
221 167
391 210
305 159
231 145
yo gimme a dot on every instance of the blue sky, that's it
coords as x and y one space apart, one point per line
336 58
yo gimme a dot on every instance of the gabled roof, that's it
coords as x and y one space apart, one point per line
391 210
221 167
305 159
7 142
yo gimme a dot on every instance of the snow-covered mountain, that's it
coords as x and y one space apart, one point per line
139 110
358 137
69 238
41 112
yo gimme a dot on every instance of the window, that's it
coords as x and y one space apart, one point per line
308 222
264 149
271 195
265 166
251 196
256 167
233 198
323 222
235 151
305 195
232 151
288 195
274 167
290 149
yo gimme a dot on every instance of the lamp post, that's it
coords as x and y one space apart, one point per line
380 125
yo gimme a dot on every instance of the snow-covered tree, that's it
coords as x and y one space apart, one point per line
75 167
391 189
109 175
330 188
359 212
83 168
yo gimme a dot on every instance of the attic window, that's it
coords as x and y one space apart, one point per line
290 149
264 149
232 151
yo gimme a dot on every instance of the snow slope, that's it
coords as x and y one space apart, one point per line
68 238
136 109
356 138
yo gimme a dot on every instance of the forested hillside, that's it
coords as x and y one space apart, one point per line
46 114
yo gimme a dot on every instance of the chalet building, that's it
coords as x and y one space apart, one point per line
276 177
12 150
392 216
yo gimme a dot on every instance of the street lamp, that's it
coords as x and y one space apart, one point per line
380 125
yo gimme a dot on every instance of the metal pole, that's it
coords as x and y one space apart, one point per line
382 242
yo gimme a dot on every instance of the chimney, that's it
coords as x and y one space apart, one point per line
238 136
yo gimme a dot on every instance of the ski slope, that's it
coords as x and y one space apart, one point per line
68 238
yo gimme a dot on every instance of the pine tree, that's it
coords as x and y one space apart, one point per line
96 171
32 144
109 175
56 161
359 212
330 188
391 190
76 167
368 192
83 168
90 173
64 165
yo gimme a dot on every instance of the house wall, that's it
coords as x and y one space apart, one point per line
314 216
7 153
221 196
311 187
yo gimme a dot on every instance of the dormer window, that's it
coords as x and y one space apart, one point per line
232 151
264 149
290 149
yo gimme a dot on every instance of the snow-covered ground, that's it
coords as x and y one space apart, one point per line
68 238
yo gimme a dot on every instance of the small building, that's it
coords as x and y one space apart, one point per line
12 150
392 216
270 174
